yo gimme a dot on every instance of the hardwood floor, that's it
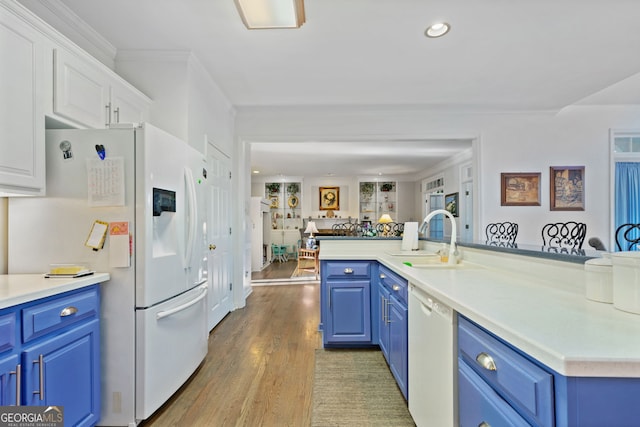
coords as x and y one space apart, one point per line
259 369
275 270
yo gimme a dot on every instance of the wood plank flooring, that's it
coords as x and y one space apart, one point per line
259 369
275 270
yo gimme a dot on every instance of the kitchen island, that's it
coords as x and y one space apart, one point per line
536 306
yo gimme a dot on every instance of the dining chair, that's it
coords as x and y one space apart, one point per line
501 234
279 253
628 237
565 235
304 255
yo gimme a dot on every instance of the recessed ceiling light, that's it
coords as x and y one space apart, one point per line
255 171
438 29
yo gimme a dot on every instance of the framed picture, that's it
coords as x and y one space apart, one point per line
275 202
520 189
451 203
567 188
329 198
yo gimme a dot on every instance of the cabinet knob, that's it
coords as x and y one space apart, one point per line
395 287
484 424
383 276
348 270
486 362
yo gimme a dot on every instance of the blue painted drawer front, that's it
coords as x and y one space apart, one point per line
527 387
394 283
7 332
46 317
480 404
348 269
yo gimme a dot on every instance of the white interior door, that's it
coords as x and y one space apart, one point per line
219 259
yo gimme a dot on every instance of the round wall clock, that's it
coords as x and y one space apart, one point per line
293 201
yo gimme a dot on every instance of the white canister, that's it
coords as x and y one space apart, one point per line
599 279
626 281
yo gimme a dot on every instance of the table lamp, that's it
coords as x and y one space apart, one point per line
311 228
385 219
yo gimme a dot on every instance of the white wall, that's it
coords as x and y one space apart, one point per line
505 142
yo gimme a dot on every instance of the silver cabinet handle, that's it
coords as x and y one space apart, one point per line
395 287
486 362
388 317
348 270
484 424
383 308
108 114
18 374
68 311
40 361
382 276
116 114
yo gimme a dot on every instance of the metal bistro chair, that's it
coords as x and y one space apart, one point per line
501 234
628 237
566 236
390 229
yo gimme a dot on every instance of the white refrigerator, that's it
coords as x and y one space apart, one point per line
145 187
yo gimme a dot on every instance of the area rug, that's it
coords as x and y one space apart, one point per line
356 388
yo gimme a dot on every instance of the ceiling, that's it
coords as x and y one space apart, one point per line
513 55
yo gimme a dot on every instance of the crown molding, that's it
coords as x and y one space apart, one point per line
64 20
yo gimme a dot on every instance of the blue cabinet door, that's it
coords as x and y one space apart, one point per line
480 405
64 370
348 316
8 370
398 344
383 321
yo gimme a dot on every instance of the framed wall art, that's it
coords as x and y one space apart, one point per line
451 203
566 188
520 189
329 198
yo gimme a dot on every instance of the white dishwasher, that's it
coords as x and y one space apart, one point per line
432 354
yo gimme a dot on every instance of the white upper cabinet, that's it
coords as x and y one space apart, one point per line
93 96
21 106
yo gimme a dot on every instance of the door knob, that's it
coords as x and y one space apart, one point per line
212 247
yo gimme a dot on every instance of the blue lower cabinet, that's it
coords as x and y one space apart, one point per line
398 344
64 370
52 345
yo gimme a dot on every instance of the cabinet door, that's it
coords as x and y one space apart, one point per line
398 347
22 126
383 321
480 405
8 369
348 317
127 106
64 370
81 91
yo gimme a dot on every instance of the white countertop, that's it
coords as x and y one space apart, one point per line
20 288
551 321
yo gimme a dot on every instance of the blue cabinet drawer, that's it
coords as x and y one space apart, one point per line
395 284
59 312
348 269
7 331
522 383
482 406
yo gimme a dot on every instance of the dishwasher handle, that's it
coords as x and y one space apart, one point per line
429 304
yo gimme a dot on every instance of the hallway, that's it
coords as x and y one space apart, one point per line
259 369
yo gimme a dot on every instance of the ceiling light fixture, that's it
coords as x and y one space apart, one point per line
438 29
262 14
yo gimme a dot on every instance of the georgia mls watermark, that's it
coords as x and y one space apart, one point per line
31 416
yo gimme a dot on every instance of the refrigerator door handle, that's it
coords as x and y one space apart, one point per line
167 313
193 217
